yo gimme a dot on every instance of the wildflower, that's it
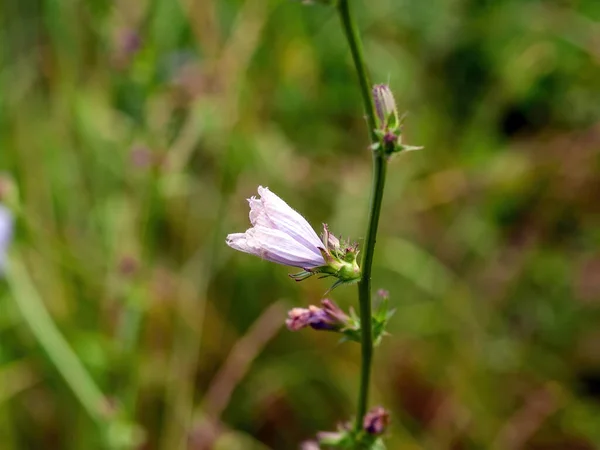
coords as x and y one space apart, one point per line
376 421
6 227
281 235
330 317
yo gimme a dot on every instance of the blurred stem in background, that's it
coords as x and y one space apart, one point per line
46 332
117 431
378 182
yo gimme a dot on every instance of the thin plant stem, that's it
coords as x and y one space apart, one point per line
378 182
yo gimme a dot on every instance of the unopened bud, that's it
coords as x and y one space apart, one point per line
376 421
385 107
330 241
330 317
383 294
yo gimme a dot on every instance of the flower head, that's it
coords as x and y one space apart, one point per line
278 234
281 235
6 228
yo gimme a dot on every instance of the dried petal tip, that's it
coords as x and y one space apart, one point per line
329 240
385 107
376 421
298 318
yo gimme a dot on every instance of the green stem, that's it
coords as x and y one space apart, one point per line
379 171
353 38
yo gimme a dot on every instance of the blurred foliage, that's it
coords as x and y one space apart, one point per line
135 130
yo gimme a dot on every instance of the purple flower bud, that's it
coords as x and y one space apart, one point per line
334 311
298 318
390 138
376 421
330 317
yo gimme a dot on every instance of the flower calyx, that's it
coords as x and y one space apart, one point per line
341 261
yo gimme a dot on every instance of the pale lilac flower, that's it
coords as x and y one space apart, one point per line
6 227
279 234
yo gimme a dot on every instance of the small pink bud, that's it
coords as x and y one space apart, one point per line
383 293
376 420
385 107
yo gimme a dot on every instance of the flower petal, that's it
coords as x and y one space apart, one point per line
239 242
258 214
275 246
284 218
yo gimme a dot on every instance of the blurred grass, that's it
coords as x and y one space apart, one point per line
135 130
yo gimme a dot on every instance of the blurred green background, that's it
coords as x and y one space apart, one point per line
133 132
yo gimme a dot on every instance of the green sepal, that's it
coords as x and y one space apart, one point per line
346 439
303 275
380 319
